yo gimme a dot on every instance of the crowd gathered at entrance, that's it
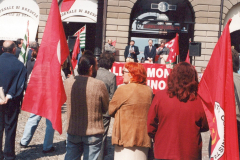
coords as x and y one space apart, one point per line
171 120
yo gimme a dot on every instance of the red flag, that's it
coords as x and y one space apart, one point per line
173 46
66 5
114 43
76 51
187 58
217 92
45 93
80 31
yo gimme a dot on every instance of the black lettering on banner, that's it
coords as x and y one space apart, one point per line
17 7
221 149
218 154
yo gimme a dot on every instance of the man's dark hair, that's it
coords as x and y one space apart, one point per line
156 45
19 41
106 60
88 52
85 62
132 41
10 48
235 60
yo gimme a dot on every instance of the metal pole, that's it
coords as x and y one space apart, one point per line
104 23
69 59
194 60
99 29
220 19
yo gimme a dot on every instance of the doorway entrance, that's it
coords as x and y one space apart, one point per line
71 28
234 27
154 19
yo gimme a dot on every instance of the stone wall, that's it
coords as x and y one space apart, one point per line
207 13
44 6
118 21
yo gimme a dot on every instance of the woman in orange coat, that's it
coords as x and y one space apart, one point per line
129 106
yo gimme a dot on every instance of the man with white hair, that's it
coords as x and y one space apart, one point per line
109 47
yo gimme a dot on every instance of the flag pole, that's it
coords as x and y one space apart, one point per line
220 19
69 59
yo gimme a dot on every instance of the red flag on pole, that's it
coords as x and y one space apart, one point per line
45 93
66 5
80 31
76 51
173 46
216 90
187 58
114 43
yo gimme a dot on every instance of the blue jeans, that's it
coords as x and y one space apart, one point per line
89 146
31 127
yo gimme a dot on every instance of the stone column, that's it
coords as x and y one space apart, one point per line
118 19
206 28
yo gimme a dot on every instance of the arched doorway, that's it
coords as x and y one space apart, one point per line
158 19
16 17
234 14
82 13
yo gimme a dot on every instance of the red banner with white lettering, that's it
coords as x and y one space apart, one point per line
156 75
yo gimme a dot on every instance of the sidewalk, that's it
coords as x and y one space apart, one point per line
34 151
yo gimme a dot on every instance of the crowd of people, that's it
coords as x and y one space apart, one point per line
141 119
132 51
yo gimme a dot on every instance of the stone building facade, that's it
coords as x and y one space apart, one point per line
207 17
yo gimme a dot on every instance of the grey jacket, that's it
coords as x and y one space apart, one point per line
110 48
164 51
236 79
110 81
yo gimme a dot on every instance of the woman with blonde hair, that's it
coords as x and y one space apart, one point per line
129 106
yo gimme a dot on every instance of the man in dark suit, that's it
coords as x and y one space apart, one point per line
34 46
150 51
19 43
12 79
105 63
131 51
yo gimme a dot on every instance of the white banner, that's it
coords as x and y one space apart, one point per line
14 15
81 11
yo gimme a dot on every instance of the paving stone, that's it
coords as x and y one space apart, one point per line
34 151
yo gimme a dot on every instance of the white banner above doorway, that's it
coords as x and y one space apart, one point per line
14 15
84 11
